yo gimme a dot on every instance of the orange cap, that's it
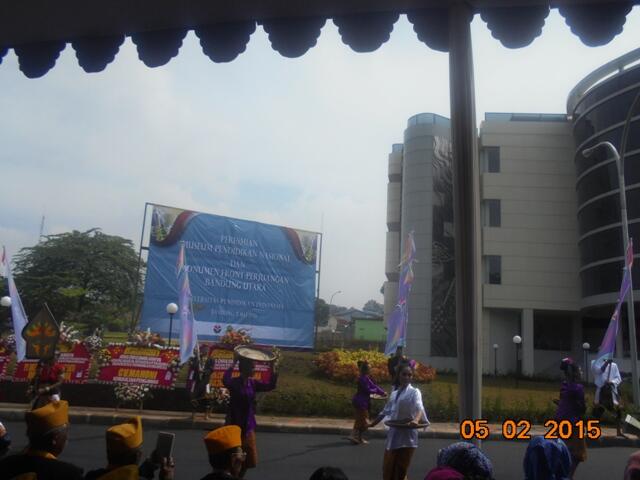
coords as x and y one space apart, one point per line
44 419
126 436
223 438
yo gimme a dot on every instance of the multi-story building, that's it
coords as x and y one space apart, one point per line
551 233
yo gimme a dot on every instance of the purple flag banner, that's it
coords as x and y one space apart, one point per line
397 328
188 335
608 345
18 315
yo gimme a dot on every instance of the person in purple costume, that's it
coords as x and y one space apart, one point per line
571 407
242 404
362 401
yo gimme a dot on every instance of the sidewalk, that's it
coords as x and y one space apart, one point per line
333 426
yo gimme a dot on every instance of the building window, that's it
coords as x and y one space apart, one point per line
491 213
493 269
552 331
492 159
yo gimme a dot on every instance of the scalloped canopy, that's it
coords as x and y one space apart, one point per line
38 30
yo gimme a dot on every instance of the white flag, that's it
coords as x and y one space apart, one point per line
17 310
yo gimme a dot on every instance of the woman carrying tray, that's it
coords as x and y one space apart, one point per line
405 414
242 401
362 402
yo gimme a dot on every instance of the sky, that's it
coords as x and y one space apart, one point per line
298 142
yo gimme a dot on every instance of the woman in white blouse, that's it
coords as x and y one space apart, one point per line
405 410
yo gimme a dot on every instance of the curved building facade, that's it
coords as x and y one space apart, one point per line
599 114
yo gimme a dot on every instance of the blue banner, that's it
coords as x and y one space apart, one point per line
242 274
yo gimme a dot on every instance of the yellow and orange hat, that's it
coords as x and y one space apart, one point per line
223 438
125 436
44 419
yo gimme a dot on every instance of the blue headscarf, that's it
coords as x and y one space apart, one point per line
467 459
547 460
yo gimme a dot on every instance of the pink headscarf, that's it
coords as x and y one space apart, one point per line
444 473
632 472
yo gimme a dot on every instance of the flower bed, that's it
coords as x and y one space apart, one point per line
342 365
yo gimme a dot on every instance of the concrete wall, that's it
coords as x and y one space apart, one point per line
538 235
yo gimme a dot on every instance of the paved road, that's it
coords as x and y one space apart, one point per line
295 456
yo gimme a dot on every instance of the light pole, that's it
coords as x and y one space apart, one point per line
495 359
517 340
333 295
631 315
172 308
5 302
585 348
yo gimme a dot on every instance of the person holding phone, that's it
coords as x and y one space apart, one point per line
124 451
242 404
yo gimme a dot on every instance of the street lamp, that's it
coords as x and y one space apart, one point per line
333 295
5 301
631 315
585 348
517 340
172 308
495 359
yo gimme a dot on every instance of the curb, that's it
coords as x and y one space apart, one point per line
342 427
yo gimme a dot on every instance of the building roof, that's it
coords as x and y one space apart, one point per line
39 30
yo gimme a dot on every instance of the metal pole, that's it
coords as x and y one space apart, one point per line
495 362
517 364
631 315
315 320
464 145
137 282
170 327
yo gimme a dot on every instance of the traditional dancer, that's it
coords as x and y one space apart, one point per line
45 384
242 404
362 402
404 408
571 407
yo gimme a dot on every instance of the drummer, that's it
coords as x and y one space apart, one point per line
242 404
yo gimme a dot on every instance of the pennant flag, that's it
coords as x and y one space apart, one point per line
17 310
397 327
188 335
608 345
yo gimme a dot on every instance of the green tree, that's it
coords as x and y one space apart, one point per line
373 306
322 312
85 277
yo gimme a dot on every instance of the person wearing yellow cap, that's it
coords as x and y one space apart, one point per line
224 446
47 429
124 451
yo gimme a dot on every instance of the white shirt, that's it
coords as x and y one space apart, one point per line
406 406
611 374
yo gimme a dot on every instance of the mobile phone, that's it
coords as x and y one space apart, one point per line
164 444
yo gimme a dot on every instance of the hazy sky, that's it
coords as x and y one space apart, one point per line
297 142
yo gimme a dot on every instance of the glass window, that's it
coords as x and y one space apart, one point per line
605 115
551 331
608 87
605 278
601 245
491 213
604 211
601 154
492 159
494 269
602 180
